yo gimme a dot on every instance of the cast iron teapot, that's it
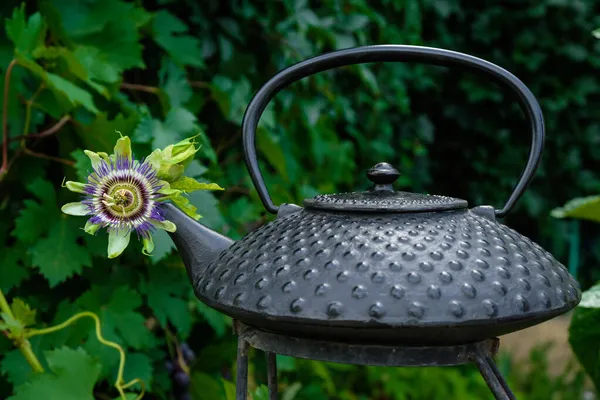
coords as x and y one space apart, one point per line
380 266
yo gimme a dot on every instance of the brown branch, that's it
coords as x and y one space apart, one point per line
47 157
9 69
47 132
199 84
140 88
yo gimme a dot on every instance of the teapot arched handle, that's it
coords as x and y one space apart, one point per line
393 53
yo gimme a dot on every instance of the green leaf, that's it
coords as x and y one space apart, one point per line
116 308
14 366
83 165
174 82
35 218
74 93
163 246
584 333
59 256
168 33
587 208
74 374
12 272
139 365
26 35
23 312
168 292
188 185
219 322
101 134
261 393
206 387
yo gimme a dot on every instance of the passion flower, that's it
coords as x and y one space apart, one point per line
125 195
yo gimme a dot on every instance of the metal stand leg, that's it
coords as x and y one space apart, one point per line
241 384
492 377
272 375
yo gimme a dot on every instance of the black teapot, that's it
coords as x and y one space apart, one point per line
381 266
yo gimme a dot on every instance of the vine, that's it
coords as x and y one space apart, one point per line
21 338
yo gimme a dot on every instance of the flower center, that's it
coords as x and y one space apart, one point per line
123 198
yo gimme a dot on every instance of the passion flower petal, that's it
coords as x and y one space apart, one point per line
91 228
76 187
117 242
123 148
166 225
148 245
77 209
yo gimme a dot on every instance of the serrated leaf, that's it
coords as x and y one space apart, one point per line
12 273
217 321
74 375
174 82
83 165
168 33
72 93
116 308
14 366
167 290
23 312
189 185
59 256
101 134
25 34
139 366
587 208
163 246
35 218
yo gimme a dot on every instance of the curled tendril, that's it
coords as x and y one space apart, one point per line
119 384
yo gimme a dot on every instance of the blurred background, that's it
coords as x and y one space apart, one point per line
75 72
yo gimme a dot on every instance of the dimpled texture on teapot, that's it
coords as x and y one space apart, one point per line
442 268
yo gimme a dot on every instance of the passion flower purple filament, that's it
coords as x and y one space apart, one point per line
121 195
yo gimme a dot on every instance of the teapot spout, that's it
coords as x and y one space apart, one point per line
197 244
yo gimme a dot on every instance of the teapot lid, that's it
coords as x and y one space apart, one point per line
383 198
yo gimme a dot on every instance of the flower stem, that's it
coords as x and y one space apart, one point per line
22 343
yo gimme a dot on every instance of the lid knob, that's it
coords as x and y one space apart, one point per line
383 175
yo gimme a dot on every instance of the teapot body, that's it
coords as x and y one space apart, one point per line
422 277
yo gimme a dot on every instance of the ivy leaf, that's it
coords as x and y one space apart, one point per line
59 256
36 217
188 185
169 34
26 35
23 312
74 374
167 290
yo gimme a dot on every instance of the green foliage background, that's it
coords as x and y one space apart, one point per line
162 70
